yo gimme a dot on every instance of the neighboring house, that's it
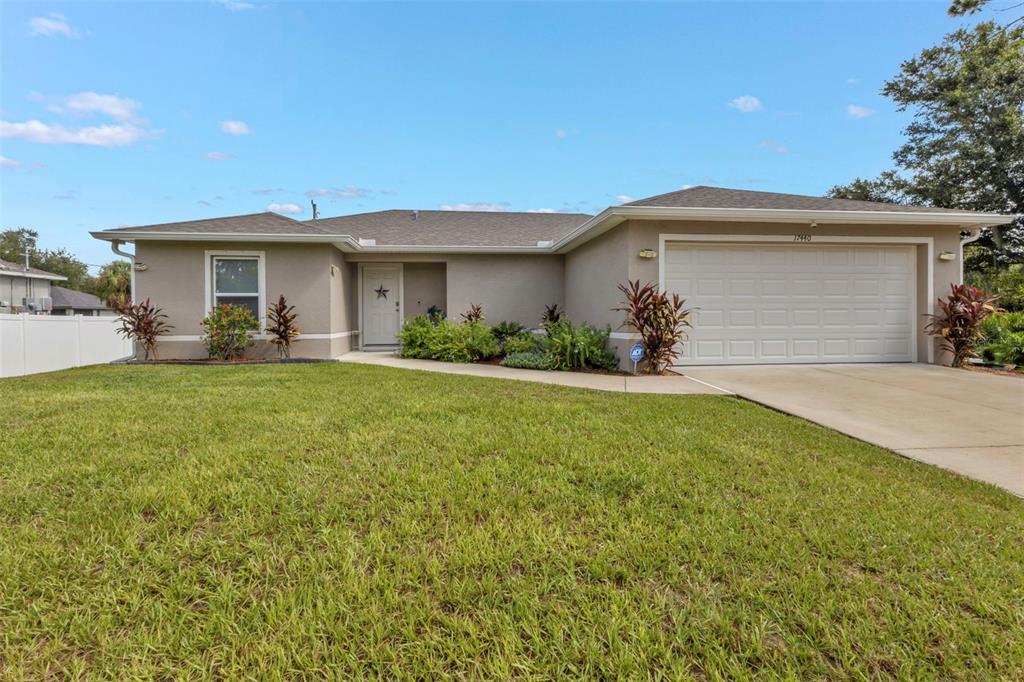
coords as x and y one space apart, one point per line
25 289
72 302
772 278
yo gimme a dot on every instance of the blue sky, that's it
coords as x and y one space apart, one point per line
136 113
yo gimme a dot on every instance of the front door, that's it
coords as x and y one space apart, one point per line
381 309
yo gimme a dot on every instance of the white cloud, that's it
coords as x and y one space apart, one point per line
541 210
67 195
97 136
346 192
289 209
9 163
852 81
235 127
773 146
487 206
623 198
236 5
204 202
857 111
747 104
265 192
53 24
561 133
120 108
218 156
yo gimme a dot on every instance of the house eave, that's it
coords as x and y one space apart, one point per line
614 215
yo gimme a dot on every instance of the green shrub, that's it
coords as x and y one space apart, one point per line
465 342
523 342
415 337
506 330
447 341
528 360
1007 284
572 347
1003 339
228 331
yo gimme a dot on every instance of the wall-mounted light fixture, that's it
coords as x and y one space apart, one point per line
947 256
140 267
814 225
648 253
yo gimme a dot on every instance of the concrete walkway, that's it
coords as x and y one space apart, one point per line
676 385
968 422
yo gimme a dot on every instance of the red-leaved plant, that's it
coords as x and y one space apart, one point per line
658 318
474 314
552 313
958 320
142 323
281 326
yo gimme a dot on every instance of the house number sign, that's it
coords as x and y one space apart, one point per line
801 237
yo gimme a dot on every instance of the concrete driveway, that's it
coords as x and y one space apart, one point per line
969 422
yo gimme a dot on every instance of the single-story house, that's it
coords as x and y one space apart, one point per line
772 278
71 302
24 289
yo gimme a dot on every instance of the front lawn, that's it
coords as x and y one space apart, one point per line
342 520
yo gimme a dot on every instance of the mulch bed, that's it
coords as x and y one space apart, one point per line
610 372
991 369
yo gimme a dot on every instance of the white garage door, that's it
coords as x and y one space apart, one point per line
793 303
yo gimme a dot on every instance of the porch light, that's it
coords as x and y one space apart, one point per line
648 253
947 256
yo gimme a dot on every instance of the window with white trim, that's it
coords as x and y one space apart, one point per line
236 281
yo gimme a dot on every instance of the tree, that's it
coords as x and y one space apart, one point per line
114 283
965 144
960 8
14 243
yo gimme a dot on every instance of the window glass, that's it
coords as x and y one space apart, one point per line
236 276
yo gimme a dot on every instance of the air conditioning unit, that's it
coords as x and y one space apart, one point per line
28 305
42 304
45 303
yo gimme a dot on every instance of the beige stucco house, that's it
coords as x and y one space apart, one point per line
772 278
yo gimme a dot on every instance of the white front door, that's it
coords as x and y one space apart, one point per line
381 304
796 303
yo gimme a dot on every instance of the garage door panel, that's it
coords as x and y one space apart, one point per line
773 303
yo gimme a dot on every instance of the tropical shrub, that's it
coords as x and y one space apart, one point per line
281 326
415 336
551 314
958 322
1002 339
474 314
447 341
506 330
528 360
228 330
659 319
143 323
435 313
575 347
1007 285
524 342
465 342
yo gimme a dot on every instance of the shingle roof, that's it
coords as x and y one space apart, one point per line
69 298
718 197
253 223
9 268
453 228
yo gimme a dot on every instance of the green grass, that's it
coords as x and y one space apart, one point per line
349 521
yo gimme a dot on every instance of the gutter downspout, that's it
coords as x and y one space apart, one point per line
974 236
115 246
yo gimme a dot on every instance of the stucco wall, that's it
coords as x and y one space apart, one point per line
424 285
175 281
514 288
592 274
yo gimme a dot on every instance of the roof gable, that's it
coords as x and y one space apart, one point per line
252 223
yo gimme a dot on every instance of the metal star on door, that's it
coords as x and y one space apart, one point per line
382 292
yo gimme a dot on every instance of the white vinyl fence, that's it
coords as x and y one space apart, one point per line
30 344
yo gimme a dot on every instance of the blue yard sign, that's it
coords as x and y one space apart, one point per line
636 352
